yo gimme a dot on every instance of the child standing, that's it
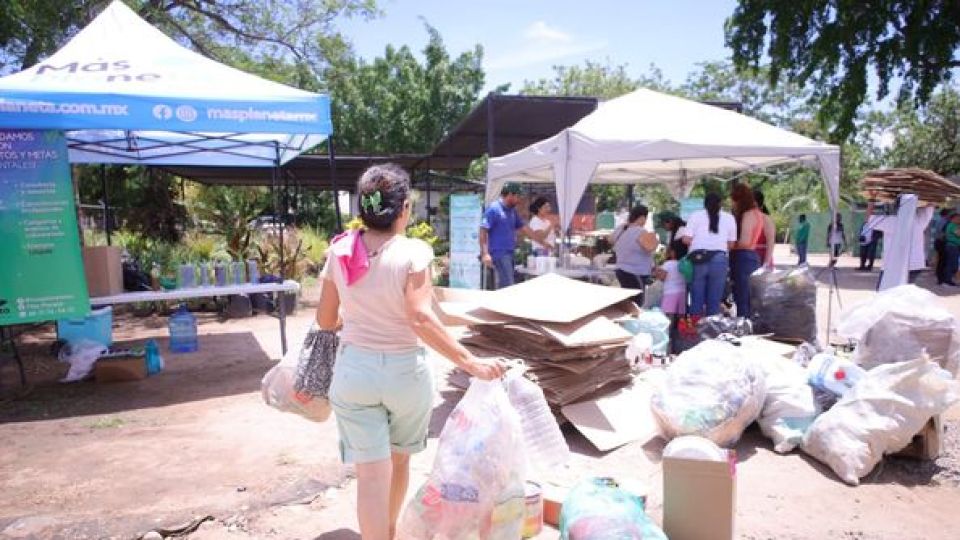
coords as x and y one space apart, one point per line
674 302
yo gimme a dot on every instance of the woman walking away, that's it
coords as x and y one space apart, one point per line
634 246
744 259
710 234
378 281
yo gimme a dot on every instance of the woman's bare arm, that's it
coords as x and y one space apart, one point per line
418 296
328 312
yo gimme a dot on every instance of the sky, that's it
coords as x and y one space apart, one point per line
523 39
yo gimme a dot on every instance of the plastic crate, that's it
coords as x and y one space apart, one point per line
97 326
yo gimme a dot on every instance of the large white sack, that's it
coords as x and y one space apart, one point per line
790 406
898 324
880 415
711 391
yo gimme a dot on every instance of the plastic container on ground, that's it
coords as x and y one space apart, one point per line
97 326
834 374
154 360
652 322
183 331
546 447
693 447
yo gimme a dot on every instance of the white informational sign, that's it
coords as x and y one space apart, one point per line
465 215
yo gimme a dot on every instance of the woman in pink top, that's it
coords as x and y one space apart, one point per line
744 259
377 282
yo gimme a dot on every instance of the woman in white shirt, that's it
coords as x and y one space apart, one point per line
539 221
378 281
710 233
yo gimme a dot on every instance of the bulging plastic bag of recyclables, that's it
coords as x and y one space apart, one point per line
711 391
475 490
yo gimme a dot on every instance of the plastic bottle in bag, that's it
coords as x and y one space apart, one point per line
834 374
546 447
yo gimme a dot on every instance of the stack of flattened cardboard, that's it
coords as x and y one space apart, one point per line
563 330
928 186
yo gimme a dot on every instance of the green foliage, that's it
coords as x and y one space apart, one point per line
594 79
148 251
398 104
422 230
293 41
834 46
201 247
228 211
314 245
929 138
785 105
295 262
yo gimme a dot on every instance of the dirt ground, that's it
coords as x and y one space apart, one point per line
88 460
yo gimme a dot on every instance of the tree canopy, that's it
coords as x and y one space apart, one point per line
835 46
396 103
297 37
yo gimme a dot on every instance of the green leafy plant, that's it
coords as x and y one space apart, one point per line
295 262
315 246
422 230
228 211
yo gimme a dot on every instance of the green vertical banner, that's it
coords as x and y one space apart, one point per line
41 269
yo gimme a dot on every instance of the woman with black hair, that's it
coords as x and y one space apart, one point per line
634 246
539 221
377 281
710 234
674 225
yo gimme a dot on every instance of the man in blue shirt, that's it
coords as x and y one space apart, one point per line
498 234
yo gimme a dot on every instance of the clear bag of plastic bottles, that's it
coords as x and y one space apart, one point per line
712 391
475 490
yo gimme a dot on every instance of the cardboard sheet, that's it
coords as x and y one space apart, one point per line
594 331
616 419
554 298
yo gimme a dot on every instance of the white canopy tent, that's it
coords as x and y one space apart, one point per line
646 137
124 92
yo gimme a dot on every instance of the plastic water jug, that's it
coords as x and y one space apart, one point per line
834 374
183 331
546 448
154 361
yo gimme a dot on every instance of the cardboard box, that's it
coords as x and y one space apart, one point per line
699 499
926 444
101 265
120 369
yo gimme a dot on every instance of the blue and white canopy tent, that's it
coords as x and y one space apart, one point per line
125 93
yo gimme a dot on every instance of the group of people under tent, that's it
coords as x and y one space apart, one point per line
723 246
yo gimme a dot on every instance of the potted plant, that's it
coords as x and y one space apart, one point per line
295 262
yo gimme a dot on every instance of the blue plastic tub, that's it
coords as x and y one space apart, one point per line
97 326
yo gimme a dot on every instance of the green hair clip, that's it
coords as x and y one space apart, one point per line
373 203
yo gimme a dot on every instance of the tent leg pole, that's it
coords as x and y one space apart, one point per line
106 203
333 184
281 296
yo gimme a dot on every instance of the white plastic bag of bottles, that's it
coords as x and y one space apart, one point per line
711 391
279 390
475 490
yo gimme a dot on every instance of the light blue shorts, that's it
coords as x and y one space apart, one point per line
382 402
